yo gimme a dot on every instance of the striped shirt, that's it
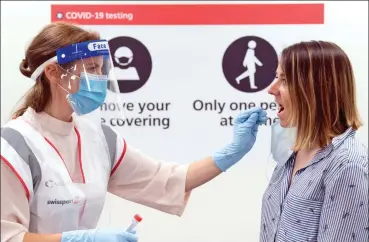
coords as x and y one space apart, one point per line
327 201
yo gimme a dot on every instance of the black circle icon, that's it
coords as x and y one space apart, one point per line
249 64
132 63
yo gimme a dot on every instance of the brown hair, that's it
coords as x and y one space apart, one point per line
321 84
42 48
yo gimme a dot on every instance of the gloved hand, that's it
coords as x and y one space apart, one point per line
245 129
100 235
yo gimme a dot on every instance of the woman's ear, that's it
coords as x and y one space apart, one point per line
53 73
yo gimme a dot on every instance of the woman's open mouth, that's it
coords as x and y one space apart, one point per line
280 110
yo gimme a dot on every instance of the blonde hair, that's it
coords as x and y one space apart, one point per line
42 48
321 84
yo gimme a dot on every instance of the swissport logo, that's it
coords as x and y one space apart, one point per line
76 200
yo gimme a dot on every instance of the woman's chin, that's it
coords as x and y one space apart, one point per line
283 120
283 124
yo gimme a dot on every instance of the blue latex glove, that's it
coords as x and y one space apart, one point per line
245 129
100 235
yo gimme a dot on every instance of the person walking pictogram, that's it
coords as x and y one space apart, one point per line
250 61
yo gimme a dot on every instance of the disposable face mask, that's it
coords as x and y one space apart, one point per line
282 142
91 93
123 60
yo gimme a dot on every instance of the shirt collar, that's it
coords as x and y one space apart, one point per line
336 142
321 154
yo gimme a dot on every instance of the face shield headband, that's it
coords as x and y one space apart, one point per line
88 75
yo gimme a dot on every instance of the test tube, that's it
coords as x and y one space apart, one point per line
136 219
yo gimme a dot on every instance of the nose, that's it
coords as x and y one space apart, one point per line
273 88
98 71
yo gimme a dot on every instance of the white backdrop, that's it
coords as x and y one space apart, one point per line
186 67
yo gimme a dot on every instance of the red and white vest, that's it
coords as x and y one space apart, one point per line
56 203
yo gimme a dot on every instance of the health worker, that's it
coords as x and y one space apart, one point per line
319 188
58 161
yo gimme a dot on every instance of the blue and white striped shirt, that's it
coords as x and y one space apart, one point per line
327 201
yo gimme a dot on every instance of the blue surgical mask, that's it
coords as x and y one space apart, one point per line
282 142
90 95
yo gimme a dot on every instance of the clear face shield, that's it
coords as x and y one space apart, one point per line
87 77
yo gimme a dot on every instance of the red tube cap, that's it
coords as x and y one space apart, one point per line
138 218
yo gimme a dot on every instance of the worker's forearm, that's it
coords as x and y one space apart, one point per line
30 237
200 172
